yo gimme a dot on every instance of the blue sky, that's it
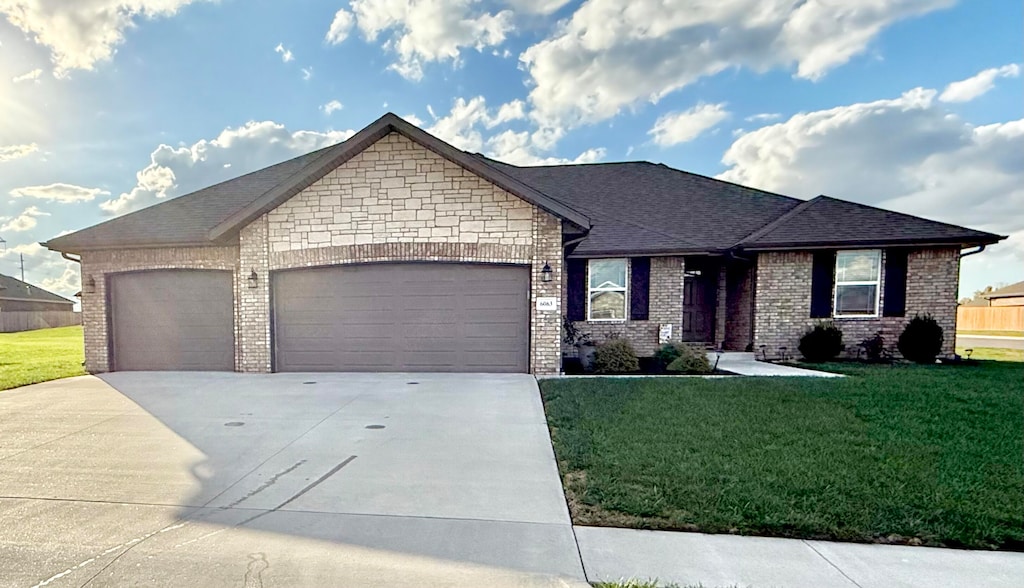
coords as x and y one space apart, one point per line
915 105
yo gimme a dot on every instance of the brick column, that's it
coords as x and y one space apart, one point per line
252 305
546 325
721 307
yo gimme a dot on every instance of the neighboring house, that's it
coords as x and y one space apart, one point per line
16 296
1012 295
394 251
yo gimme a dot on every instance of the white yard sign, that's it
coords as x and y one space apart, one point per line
665 334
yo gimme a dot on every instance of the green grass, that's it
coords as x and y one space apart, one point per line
993 353
31 357
993 333
906 454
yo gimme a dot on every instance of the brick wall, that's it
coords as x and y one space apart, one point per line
665 307
99 265
739 321
783 300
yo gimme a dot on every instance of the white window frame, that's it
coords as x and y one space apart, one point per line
877 283
624 290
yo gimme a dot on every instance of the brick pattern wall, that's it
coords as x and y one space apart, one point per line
252 305
783 300
98 265
739 320
665 307
396 190
721 306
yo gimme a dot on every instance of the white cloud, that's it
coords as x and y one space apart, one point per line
519 149
11 152
908 154
977 85
31 76
45 268
286 54
24 221
674 128
537 6
59 192
174 171
340 27
764 117
82 33
331 107
413 120
424 31
612 54
307 73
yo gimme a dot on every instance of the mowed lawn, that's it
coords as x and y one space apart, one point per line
30 357
906 454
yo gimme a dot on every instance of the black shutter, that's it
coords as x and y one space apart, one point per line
895 299
576 289
639 288
821 283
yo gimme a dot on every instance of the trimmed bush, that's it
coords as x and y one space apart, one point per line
824 341
666 355
616 356
921 341
692 359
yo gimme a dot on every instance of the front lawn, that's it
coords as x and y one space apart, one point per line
30 357
909 454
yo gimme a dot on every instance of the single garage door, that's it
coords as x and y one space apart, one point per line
435 317
172 320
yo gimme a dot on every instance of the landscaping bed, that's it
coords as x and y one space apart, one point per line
37 356
912 454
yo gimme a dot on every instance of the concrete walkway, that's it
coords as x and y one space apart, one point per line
719 561
744 364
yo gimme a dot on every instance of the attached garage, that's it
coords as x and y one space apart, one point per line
172 320
416 317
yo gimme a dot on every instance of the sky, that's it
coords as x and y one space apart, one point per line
108 106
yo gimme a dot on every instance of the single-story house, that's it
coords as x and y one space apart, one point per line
18 296
395 251
1012 295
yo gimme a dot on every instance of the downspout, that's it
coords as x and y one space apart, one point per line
68 257
978 250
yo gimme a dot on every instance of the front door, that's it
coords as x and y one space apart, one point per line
700 283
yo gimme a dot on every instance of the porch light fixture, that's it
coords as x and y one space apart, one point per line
545 274
254 279
90 285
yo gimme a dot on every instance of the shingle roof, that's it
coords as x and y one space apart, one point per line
1011 291
628 208
830 221
15 289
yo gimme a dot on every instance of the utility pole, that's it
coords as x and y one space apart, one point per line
22 257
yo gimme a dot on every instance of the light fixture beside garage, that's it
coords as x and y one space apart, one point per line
254 279
90 285
545 274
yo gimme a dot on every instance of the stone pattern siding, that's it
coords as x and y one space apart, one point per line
396 190
739 321
99 265
665 307
783 300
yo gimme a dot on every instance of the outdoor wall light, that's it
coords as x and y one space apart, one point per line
254 279
90 285
545 274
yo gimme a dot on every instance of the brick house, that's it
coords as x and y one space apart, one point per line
18 296
394 251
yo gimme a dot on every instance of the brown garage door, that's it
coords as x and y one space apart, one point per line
172 320
435 317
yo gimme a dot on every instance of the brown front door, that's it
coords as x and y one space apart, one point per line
699 287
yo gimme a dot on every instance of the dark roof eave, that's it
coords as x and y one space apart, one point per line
911 242
190 244
388 123
652 252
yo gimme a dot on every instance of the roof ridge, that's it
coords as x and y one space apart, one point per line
903 214
728 183
772 225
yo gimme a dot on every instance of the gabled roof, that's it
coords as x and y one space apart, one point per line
631 208
1011 291
830 222
15 289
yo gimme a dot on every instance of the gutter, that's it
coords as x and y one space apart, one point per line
68 257
976 251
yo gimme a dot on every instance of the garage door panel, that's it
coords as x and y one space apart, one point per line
403 317
172 320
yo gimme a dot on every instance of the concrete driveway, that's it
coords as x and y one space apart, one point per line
281 480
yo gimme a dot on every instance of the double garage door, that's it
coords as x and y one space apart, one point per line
376 317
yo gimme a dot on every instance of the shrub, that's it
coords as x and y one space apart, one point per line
824 341
616 356
666 355
692 359
921 341
874 347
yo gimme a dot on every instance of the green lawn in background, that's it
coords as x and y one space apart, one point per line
908 454
992 353
30 357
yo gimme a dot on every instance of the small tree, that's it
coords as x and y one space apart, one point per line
921 341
